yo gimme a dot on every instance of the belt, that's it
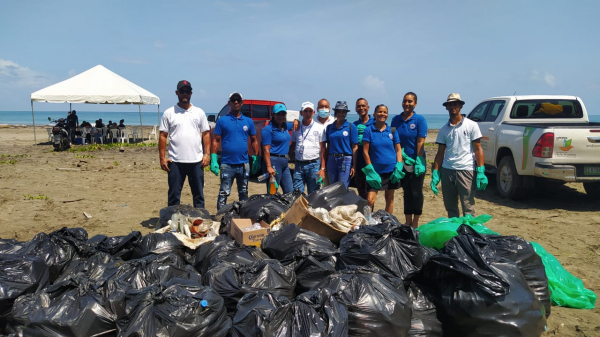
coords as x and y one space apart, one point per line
280 155
339 155
307 161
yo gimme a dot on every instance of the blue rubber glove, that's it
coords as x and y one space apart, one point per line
420 166
255 165
398 173
482 180
214 165
408 160
435 180
361 129
373 178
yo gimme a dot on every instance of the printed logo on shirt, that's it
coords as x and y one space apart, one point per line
390 135
316 133
345 133
412 126
245 128
196 122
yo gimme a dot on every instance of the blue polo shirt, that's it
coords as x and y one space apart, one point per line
408 131
381 148
234 134
341 140
278 139
360 159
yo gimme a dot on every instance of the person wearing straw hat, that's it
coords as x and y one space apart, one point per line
460 158
275 141
341 143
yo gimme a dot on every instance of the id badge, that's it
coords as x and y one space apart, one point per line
301 149
343 167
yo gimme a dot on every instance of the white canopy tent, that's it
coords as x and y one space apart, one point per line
97 85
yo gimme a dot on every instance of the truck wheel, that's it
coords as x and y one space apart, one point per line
592 189
508 181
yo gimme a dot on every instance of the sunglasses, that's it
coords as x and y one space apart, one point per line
233 100
185 91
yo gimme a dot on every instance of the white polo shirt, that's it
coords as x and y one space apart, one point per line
310 137
459 144
330 120
185 129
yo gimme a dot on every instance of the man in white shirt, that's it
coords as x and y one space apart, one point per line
309 143
459 149
323 115
187 130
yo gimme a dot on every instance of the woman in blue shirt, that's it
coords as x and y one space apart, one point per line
341 143
412 131
275 144
383 156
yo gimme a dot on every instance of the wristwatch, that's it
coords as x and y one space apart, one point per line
323 169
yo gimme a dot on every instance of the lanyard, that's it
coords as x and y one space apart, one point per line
307 132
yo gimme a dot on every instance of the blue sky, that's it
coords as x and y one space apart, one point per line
305 50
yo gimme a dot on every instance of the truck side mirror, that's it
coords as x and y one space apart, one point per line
211 118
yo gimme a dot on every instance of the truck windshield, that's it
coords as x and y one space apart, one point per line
540 108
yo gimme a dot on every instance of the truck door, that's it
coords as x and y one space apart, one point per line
489 125
478 115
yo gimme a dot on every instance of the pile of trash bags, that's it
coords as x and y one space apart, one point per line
381 280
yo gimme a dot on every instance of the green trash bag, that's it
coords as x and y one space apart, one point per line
437 232
566 289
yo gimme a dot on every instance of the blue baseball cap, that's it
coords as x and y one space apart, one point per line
277 108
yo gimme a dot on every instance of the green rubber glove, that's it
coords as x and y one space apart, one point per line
435 180
214 165
361 129
320 181
408 160
373 178
398 174
420 166
255 164
482 180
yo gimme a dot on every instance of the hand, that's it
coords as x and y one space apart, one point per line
205 160
398 173
214 165
373 178
164 164
352 171
482 180
420 166
408 160
435 180
271 171
296 125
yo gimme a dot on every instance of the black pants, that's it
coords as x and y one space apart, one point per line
413 193
195 175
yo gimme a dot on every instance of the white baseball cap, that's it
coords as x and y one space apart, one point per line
236 93
307 105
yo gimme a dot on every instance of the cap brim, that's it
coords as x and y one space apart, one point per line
456 100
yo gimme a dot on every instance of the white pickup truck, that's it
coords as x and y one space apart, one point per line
532 138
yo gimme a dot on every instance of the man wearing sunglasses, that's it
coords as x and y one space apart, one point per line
187 130
232 133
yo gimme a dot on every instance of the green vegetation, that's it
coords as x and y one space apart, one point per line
14 156
103 147
38 197
115 163
84 156
12 162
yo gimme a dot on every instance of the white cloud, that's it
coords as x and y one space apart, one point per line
159 44
546 78
374 85
11 73
550 80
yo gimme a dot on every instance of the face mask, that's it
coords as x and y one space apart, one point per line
323 113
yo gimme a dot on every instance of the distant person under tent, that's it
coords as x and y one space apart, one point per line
99 123
72 124
121 124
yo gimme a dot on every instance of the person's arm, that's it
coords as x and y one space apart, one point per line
478 150
323 168
398 149
206 144
254 143
439 157
353 169
366 152
162 145
420 146
267 157
216 141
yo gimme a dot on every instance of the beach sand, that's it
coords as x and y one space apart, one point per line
124 191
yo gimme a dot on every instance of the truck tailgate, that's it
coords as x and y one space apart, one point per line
577 145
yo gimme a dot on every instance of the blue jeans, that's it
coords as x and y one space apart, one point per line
338 169
283 177
306 174
239 172
195 175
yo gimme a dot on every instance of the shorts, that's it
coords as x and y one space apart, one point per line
386 184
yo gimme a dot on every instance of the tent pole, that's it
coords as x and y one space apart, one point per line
141 128
33 117
158 114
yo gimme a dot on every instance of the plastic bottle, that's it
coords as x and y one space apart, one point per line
367 213
272 188
262 177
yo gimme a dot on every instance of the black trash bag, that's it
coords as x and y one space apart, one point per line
389 247
187 210
382 216
58 248
333 313
265 207
313 256
335 195
232 281
68 308
479 293
291 197
211 254
521 252
158 243
253 313
226 214
11 246
377 304
294 319
84 266
118 246
177 308
19 276
424 321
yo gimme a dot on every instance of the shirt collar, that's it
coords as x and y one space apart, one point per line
182 109
459 123
233 117
387 128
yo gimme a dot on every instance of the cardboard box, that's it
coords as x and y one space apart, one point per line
248 238
299 215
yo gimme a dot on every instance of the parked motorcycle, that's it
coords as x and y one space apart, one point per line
60 135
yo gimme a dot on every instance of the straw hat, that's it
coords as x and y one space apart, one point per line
453 97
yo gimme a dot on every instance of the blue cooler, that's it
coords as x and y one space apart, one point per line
78 140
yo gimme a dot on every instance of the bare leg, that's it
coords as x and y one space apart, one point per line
389 201
371 197
408 219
